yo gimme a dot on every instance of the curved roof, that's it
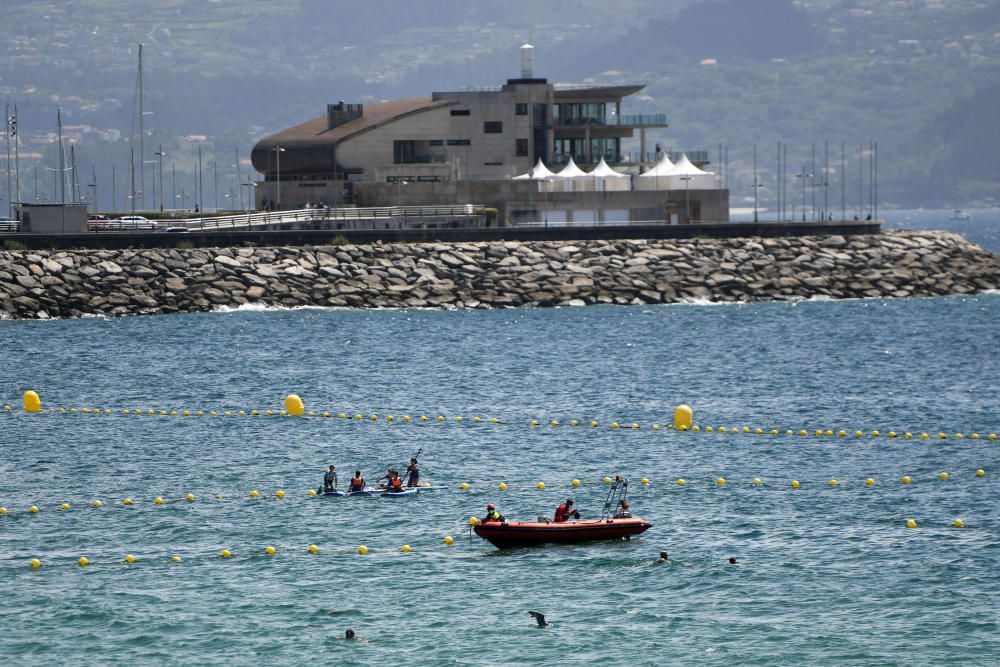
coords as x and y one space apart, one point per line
571 170
308 147
662 168
603 170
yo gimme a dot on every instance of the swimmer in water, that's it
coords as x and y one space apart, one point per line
662 558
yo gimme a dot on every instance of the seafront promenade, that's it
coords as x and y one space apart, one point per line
43 284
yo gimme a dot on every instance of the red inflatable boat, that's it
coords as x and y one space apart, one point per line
531 533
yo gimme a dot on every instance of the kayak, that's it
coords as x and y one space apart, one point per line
531 533
399 494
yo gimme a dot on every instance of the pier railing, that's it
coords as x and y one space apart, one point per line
292 217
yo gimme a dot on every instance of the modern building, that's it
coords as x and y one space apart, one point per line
468 147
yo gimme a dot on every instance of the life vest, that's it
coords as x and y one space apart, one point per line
396 483
357 484
493 516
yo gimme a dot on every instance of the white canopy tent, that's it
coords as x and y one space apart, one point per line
605 178
686 175
656 178
570 178
538 173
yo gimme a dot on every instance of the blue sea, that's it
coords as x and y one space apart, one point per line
824 574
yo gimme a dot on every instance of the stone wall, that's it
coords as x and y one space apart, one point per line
495 274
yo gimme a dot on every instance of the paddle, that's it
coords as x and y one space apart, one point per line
415 456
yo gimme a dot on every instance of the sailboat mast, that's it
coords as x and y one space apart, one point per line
142 139
17 158
62 159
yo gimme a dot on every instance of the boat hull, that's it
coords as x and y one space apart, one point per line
526 534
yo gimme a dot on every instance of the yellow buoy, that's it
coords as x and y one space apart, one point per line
655 427
594 424
694 428
993 436
311 492
606 479
32 402
858 434
3 510
33 509
270 551
943 475
644 481
96 503
449 540
795 484
128 501
129 558
374 418
828 433
502 486
818 433
575 483
681 482
959 436
464 486
83 561
458 419
841 433
494 420
906 479
189 497
225 553
709 429
720 481
158 501
875 434
942 436
173 413
541 485
974 436
614 424
980 473
757 481
440 418
279 494
908 436
294 405
64 506
803 432
910 523
683 416
406 549
832 482
869 482
533 422
213 413
362 550
406 418
388 418
892 434
313 549
473 521
553 423
774 431
573 422
426 485
176 559
758 431
35 563
958 523
924 436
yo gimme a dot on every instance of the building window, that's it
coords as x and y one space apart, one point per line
521 147
492 127
459 112
403 151
493 164
459 142
437 142
521 109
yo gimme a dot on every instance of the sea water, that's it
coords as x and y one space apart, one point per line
823 575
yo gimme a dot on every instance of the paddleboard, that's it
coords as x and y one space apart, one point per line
396 494
434 487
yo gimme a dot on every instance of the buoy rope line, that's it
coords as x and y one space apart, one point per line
623 425
251 554
255 496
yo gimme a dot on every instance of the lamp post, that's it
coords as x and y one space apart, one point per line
250 196
278 150
160 154
687 198
803 175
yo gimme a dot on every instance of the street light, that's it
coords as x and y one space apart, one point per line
160 154
250 195
804 175
278 150
687 198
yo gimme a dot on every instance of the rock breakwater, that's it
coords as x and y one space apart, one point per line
41 284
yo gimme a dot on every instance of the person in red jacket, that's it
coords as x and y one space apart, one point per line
565 511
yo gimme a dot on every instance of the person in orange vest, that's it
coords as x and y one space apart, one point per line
565 511
358 483
393 482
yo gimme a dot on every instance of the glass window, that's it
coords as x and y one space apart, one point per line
521 146
521 109
459 142
492 127
459 112
437 142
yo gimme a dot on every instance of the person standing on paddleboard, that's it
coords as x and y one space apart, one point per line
413 473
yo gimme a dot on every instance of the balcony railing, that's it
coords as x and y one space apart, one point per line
623 120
